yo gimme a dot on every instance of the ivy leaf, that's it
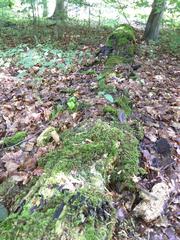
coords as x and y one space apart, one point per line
109 97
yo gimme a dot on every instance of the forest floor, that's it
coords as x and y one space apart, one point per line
30 105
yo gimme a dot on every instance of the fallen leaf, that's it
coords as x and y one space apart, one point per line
11 166
38 171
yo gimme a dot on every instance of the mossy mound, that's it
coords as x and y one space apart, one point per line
122 41
70 200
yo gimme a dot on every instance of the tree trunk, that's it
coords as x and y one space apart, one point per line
154 20
60 11
45 8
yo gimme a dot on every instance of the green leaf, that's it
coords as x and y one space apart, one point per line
109 97
71 105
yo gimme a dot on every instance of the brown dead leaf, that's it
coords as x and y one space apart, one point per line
11 166
30 163
152 137
3 176
20 177
29 147
15 157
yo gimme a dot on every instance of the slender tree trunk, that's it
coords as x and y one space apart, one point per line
154 21
45 8
60 11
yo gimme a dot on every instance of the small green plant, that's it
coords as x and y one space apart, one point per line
72 103
101 82
170 41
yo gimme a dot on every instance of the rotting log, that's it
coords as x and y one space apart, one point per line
70 200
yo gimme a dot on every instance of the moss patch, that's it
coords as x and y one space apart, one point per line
111 110
111 62
70 200
13 140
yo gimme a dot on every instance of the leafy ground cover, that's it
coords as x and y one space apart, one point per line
44 86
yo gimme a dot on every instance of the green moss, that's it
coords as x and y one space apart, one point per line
121 36
124 103
111 110
13 140
112 61
122 40
70 199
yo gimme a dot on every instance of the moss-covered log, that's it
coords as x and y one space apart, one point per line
70 200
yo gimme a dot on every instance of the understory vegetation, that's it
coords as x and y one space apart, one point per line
89 119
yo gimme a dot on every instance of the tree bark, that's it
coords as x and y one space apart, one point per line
154 21
45 8
60 11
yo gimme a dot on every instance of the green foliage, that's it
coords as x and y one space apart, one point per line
101 82
170 41
125 104
6 3
41 56
13 140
